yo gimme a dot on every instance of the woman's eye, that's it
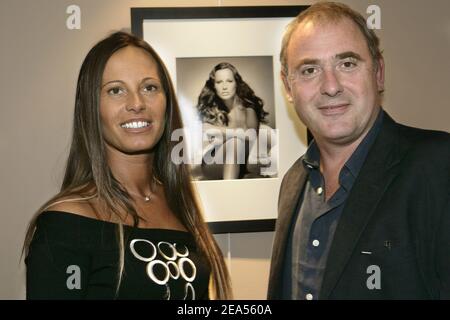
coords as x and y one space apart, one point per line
151 88
115 91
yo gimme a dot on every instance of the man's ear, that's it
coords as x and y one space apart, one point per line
380 74
287 86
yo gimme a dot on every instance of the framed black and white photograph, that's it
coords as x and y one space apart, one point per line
224 62
201 84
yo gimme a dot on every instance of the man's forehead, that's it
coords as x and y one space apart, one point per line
316 26
327 38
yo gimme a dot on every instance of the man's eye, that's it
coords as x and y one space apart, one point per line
308 71
348 65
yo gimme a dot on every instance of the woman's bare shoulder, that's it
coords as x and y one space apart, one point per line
75 204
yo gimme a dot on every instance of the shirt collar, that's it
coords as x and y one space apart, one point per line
311 159
355 162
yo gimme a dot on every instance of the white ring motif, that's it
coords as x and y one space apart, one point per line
152 275
187 287
180 254
175 267
174 251
167 294
137 255
181 267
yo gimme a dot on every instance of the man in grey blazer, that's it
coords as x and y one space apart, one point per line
365 212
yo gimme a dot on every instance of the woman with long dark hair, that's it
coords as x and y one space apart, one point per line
126 222
227 102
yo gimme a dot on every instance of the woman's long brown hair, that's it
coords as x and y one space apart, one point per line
87 174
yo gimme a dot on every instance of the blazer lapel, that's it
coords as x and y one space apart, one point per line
375 176
287 204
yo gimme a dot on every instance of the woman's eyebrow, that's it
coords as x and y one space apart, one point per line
149 78
112 81
120 81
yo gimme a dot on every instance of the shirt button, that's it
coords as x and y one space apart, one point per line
316 243
319 190
309 296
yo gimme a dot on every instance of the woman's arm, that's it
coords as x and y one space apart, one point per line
56 268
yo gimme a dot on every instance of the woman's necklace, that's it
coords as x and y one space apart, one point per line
146 197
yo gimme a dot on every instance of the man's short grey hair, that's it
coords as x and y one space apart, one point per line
330 12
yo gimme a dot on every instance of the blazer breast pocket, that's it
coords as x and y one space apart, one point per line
389 255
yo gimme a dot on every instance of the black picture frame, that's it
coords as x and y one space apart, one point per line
139 15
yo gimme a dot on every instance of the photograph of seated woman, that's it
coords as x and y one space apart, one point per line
227 102
126 223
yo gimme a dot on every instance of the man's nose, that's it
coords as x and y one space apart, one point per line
330 85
